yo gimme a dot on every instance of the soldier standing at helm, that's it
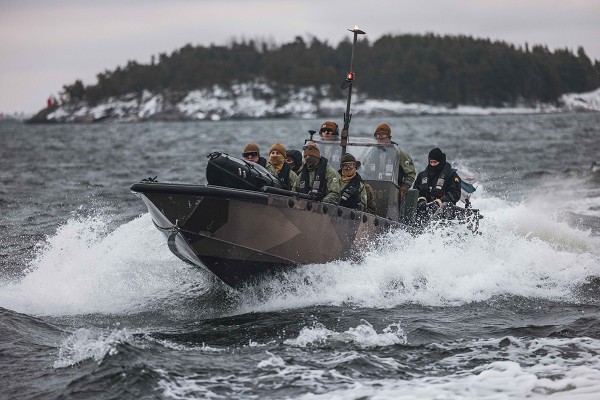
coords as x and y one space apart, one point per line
278 167
406 173
353 193
330 132
317 177
252 153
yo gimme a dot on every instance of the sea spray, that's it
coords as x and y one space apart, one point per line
84 269
87 268
519 253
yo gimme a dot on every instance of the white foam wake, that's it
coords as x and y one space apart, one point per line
523 251
537 369
85 268
85 344
364 335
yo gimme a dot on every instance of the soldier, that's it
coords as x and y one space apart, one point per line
294 160
317 177
438 182
329 132
353 193
278 167
406 174
252 153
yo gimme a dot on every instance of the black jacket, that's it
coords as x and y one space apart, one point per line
443 184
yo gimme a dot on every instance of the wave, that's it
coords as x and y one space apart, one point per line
489 368
524 250
86 268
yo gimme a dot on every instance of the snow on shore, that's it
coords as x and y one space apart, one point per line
589 101
258 100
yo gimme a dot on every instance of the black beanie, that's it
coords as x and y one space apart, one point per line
296 156
437 155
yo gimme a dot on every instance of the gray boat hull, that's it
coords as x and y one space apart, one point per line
240 235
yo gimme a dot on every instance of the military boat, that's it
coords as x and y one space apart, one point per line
242 225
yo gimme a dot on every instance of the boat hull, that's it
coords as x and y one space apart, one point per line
240 235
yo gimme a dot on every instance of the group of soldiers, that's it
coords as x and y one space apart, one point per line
310 173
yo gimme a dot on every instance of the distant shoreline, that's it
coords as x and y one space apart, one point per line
215 105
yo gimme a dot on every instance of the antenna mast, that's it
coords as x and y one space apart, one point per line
348 84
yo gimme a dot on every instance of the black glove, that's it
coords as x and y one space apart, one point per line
422 204
316 195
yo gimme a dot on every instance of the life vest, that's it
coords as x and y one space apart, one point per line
350 196
284 176
437 191
319 185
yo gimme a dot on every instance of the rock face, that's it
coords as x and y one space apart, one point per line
258 100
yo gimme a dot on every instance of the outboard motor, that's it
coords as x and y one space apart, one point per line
227 171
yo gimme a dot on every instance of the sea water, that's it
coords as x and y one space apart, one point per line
94 305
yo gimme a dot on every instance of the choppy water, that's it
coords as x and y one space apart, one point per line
93 304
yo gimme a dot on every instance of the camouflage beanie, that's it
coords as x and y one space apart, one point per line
311 149
330 125
278 147
250 147
383 128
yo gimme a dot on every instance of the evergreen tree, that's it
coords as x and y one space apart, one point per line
413 68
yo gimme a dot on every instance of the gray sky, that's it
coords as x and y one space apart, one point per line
45 44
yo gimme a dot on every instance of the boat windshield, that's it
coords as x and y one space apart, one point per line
378 162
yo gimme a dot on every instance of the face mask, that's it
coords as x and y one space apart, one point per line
276 159
437 168
311 161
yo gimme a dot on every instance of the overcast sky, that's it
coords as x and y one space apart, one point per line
45 44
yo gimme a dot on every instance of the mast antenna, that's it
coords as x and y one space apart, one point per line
347 84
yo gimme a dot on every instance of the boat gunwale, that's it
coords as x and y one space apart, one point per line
195 189
242 194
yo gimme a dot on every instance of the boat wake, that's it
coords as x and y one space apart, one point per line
524 251
85 268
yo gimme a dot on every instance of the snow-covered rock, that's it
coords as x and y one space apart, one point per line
589 101
259 100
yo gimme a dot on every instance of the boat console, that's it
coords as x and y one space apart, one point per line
379 167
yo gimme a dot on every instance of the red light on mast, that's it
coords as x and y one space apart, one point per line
350 76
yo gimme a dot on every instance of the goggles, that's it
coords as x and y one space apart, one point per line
349 165
309 147
382 135
250 154
328 130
